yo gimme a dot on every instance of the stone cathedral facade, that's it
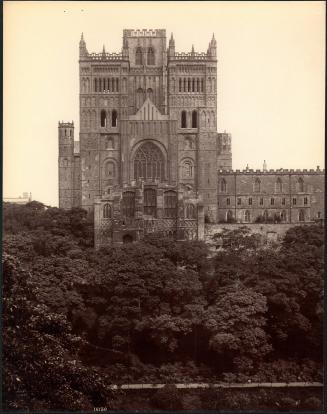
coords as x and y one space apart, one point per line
149 157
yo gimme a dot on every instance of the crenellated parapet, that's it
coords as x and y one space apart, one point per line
105 56
285 171
190 56
144 33
63 124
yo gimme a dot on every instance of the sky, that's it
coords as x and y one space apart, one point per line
270 82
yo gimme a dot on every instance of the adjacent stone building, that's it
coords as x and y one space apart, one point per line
149 157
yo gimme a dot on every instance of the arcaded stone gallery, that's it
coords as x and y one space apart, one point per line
149 157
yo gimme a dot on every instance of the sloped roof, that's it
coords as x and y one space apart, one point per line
149 112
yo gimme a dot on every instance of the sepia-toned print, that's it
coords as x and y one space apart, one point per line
164 258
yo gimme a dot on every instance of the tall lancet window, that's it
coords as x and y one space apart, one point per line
138 56
151 59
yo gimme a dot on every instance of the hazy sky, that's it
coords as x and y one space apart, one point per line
271 79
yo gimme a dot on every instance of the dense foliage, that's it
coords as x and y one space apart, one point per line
76 320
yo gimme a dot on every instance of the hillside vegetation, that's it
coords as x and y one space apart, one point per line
76 320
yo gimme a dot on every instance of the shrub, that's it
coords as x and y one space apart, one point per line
167 398
312 403
287 404
191 402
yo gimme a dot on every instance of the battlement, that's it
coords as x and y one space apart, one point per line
144 33
280 171
63 124
105 56
191 56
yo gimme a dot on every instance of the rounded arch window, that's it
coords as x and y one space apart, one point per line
107 211
149 163
229 216
110 143
109 169
283 215
187 168
139 97
149 93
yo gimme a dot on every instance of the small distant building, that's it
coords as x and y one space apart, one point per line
24 199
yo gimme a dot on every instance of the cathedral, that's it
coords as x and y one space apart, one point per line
149 157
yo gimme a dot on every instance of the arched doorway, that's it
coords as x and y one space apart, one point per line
149 163
127 238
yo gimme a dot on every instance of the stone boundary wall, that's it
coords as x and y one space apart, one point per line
221 385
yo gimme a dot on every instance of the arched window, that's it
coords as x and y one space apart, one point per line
109 143
187 169
138 56
279 185
109 169
257 185
95 85
150 56
223 186
229 216
149 163
301 185
128 204
149 93
103 118
183 119
247 216
283 216
139 97
188 144
265 216
202 85
114 118
180 85
193 85
185 85
150 202
301 215
198 85
170 204
190 212
194 119
107 211
188 85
